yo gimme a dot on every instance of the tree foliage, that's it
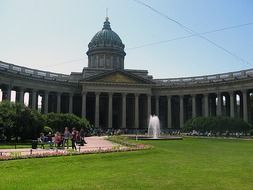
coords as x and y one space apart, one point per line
58 121
16 120
19 121
217 124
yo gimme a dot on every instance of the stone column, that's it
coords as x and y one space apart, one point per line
169 121
58 102
97 110
157 105
181 98
21 95
84 104
6 93
124 110
110 94
136 118
9 93
232 104
219 102
71 102
194 106
206 105
148 106
104 62
245 105
46 102
34 99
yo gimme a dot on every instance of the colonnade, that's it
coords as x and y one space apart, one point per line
48 103
123 106
173 109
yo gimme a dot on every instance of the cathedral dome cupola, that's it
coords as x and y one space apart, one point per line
106 49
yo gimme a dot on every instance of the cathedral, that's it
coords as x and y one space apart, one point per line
112 97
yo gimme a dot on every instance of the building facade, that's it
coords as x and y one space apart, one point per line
113 97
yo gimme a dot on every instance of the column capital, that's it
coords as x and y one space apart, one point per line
46 92
110 93
244 90
21 89
84 92
71 94
97 93
136 94
169 96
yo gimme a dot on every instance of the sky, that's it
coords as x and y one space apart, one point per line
53 35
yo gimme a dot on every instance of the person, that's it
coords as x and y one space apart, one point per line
66 137
82 135
50 139
57 139
42 140
74 138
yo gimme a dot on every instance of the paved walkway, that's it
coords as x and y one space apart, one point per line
93 143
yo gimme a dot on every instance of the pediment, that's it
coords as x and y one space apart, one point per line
118 77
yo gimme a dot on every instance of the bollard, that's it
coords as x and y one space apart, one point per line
79 148
1 154
31 151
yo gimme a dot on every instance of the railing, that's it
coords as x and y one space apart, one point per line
33 72
206 78
169 81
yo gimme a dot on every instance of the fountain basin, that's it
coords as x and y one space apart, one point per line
139 137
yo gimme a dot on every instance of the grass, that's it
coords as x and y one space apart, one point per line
190 164
12 146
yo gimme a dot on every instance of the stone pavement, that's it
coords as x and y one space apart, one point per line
93 143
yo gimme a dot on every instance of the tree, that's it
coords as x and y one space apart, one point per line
217 124
16 120
58 121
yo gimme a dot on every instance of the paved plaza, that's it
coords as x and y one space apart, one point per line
93 143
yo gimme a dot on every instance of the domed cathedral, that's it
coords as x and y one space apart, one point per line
106 49
113 97
106 53
109 90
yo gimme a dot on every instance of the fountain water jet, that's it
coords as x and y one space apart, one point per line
154 127
154 131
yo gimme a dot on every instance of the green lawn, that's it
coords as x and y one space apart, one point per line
12 146
188 164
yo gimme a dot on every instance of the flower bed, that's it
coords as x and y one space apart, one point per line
127 146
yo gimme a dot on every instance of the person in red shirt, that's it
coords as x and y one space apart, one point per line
57 139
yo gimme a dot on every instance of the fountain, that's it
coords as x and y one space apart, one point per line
154 131
154 127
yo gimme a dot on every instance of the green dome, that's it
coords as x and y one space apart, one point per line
106 38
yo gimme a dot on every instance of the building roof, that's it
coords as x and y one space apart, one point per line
106 38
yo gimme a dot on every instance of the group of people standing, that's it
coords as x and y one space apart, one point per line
62 139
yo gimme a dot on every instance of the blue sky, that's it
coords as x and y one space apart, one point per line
53 35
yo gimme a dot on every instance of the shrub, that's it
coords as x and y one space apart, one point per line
16 120
47 129
58 121
217 124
